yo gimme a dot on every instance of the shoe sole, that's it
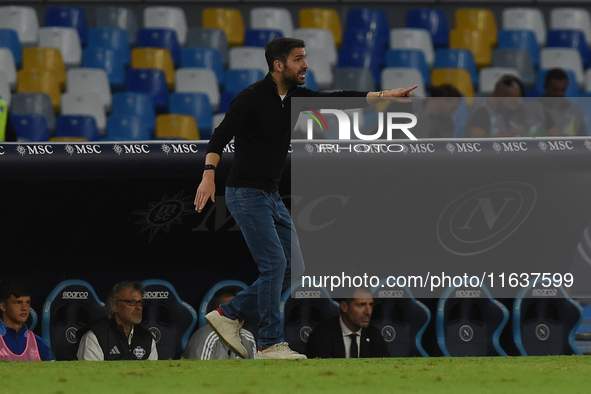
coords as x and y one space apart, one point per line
232 348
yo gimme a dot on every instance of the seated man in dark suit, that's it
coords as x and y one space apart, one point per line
348 335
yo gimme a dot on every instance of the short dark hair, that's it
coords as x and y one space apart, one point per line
13 287
555 73
508 80
116 290
279 49
352 294
226 291
445 90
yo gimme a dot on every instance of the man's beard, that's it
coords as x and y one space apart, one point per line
290 78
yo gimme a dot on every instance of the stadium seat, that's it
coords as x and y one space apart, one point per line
321 54
299 316
66 40
95 80
354 78
545 320
8 66
360 57
112 38
413 38
199 80
160 38
480 19
30 128
198 106
127 127
470 325
23 20
401 319
166 17
86 103
177 127
566 38
9 39
310 80
169 319
323 18
565 58
150 81
36 104
409 58
369 19
135 103
217 119
108 60
260 37
229 20
395 77
572 89
5 91
489 76
571 18
239 79
47 59
457 58
248 57
77 126
272 18
40 81
64 16
433 20
459 78
526 18
519 59
72 305
32 319
202 57
209 38
204 306
520 39
120 18
475 41
369 39
154 58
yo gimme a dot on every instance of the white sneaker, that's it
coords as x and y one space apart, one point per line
228 330
280 351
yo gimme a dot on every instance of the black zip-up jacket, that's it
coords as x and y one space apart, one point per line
113 340
260 123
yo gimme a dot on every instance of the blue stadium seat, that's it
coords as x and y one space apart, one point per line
169 319
135 103
108 60
563 38
299 316
150 81
572 89
520 39
9 39
72 305
457 58
260 37
433 20
160 38
310 80
401 319
359 57
111 38
196 105
204 306
519 59
239 79
369 19
32 319
469 322
63 16
370 39
409 58
78 126
30 127
203 57
127 127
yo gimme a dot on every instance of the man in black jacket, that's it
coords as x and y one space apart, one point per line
119 336
349 335
259 120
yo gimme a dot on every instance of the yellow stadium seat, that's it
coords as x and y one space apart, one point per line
48 59
475 41
322 18
229 20
480 19
68 139
37 80
154 58
458 77
177 126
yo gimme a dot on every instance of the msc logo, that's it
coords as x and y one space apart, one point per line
179 148
74 295
509 147
484 217
464 147
307 294
420 148
165 213
35 150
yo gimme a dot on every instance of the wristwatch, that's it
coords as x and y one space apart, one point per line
209 167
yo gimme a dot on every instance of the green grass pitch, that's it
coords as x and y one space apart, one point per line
556 374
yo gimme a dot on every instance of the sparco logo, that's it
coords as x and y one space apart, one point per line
74 295
544 292
307 294
156 295
467 293
390 294
484 217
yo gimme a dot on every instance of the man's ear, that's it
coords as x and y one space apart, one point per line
3 306
344 306
278 65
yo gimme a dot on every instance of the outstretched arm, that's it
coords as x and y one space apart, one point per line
374 97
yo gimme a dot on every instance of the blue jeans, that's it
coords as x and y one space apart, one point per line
271 238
